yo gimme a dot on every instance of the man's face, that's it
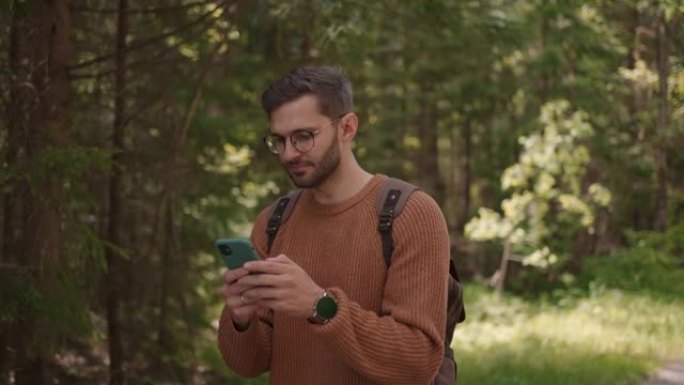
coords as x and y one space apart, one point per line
313 167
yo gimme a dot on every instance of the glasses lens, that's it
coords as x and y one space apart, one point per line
303 141
275 144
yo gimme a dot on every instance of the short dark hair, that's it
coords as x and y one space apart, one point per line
331 87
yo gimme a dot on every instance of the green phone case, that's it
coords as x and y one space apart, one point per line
236 251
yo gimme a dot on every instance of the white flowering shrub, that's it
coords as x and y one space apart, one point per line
548 175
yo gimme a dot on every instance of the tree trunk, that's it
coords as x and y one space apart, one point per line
11 199
41 43
166 266
168 202
464 207
15 119
307 45
660 223
114 281
503 269
636 107
428 156
544 78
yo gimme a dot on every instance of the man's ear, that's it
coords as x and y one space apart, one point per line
349 124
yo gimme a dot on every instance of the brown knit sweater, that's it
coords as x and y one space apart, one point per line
389 326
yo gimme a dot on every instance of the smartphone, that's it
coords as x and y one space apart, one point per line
236 251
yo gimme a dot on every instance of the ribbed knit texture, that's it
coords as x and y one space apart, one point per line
389 326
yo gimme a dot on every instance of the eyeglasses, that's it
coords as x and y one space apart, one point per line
302 140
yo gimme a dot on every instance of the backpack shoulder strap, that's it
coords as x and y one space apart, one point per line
281 211
391 201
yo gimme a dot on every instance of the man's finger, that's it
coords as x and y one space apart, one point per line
260 294
225 292
270 266
254 280
232 275
280 258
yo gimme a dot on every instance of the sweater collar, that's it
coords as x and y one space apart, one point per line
315 207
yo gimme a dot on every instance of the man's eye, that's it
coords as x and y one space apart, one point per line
300 136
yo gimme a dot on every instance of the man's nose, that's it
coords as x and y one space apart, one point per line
289 153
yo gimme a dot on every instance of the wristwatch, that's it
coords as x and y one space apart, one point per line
324 309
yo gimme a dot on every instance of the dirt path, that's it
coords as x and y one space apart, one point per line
670 374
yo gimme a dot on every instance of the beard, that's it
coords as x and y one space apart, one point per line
325 167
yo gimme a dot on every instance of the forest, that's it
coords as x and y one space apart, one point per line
550 133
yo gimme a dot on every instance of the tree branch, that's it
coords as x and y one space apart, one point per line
133 64
141 11
15 267
145 42
197 95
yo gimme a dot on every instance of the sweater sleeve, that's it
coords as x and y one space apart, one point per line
248 352
405 343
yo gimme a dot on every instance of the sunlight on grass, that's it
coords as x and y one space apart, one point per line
609 338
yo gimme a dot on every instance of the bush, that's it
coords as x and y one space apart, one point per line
653 264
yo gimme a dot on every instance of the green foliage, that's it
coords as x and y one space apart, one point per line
653 264
67 167
68 164
16 294
19 7
55 300
71 162
53 296
60 304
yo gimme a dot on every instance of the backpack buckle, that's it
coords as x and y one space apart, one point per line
273 224
385 222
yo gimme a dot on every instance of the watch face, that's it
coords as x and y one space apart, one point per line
326 307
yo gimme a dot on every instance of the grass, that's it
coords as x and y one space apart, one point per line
609 337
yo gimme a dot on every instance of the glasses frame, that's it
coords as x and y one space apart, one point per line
283 139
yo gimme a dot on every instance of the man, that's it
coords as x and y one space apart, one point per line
323 307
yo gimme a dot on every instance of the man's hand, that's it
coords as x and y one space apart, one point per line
233 288
281 285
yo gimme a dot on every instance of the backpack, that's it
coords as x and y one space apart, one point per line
393 198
